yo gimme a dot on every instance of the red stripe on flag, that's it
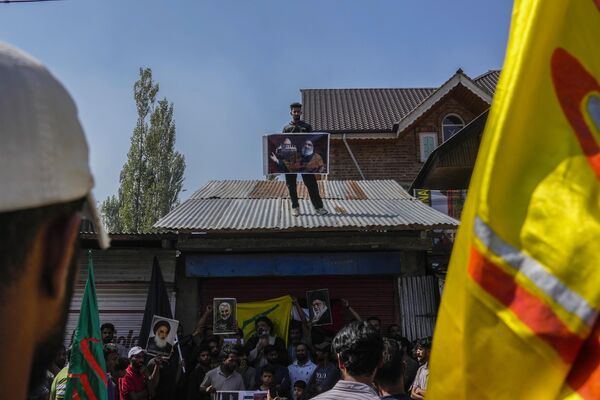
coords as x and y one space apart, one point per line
530 309
91 360
572 82
584 377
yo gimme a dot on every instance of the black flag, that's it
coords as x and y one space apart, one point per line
157 302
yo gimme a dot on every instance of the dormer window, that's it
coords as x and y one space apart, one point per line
451 124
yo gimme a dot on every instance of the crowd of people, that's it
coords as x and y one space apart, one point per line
358 361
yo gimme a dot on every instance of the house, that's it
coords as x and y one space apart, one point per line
450 165
389 133
239 239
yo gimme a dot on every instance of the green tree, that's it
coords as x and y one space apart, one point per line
152 177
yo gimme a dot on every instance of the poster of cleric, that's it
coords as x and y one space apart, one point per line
162 336
296 153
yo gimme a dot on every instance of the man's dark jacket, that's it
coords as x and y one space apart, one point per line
297 127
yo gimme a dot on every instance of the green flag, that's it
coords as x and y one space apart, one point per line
87 376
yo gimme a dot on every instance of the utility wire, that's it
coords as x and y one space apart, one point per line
24 1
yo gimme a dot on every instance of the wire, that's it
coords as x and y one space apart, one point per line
24 1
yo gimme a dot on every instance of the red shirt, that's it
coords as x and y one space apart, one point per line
132 382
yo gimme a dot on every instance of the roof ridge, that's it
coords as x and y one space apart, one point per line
489 71
371 88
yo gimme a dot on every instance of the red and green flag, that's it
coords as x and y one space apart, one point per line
87 376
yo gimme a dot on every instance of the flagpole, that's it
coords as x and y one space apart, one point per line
180 355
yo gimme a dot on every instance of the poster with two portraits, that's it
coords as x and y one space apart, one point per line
296 153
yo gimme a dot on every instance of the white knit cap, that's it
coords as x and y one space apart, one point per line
43 151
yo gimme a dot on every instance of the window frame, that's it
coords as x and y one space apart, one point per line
462 125
434 135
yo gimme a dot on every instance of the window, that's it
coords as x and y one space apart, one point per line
450 125
427 143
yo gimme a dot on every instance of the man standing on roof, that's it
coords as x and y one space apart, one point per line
296 125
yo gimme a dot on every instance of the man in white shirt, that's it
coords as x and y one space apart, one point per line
301 369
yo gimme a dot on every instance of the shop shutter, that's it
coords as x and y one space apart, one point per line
368 295
419 299
122 278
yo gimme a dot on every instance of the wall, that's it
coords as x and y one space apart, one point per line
397 159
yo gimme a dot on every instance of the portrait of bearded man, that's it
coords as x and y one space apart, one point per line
159 343
224 320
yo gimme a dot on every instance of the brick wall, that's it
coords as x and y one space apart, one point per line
397 159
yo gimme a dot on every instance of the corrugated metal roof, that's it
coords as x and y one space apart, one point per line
263 205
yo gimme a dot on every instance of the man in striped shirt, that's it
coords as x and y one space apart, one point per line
359 350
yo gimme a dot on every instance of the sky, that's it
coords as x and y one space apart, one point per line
232 67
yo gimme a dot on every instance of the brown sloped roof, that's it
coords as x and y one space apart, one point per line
370 110
360 110
488 81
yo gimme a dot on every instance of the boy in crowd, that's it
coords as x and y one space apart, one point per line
196 376
298 392
282 377
266 379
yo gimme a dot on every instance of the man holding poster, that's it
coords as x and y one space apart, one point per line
296 125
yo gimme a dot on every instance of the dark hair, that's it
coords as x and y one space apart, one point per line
122 364
268 368
389 329
107 325
393 365
226 352
404 342
202 348
302 344
300 384
424 343
295 105
108 349
264 319
160 323
18 230
359 347
373 318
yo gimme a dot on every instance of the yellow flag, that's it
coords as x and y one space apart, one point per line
277 310
519 315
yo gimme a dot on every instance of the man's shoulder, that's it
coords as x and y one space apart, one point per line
349 390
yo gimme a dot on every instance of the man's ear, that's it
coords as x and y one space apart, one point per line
58 240
341 365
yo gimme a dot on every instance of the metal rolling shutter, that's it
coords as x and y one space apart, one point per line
122 279
368 295
419 299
